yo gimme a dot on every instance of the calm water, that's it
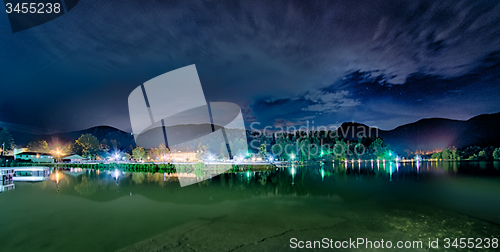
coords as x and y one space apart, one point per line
87 210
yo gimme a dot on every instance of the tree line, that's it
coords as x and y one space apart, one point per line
316 145
300 146
468 153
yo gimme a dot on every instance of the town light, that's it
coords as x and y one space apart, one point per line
58 153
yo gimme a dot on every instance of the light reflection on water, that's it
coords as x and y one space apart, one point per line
134 206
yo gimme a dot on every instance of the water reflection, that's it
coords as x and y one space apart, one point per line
56 176
31 174
420 196
317 179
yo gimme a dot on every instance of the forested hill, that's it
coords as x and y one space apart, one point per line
424 135
433 133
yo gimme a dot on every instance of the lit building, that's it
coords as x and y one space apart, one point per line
73 158
35 157
19 150
183 156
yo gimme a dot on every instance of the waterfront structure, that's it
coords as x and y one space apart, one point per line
7 182
19 150
73 158
31 174
37 157
183 156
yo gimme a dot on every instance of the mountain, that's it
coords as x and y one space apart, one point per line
423 135
433 133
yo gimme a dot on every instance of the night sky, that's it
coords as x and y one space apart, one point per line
382 63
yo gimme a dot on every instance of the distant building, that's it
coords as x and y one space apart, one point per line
73 158
36 157
183 156
19 150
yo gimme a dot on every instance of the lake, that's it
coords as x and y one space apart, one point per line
89 210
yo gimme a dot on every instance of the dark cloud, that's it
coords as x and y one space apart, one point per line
77 71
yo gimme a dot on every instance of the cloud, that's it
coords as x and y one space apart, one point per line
328 102
285 123
243 50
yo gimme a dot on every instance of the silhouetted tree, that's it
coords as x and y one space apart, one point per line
7 139
38 146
